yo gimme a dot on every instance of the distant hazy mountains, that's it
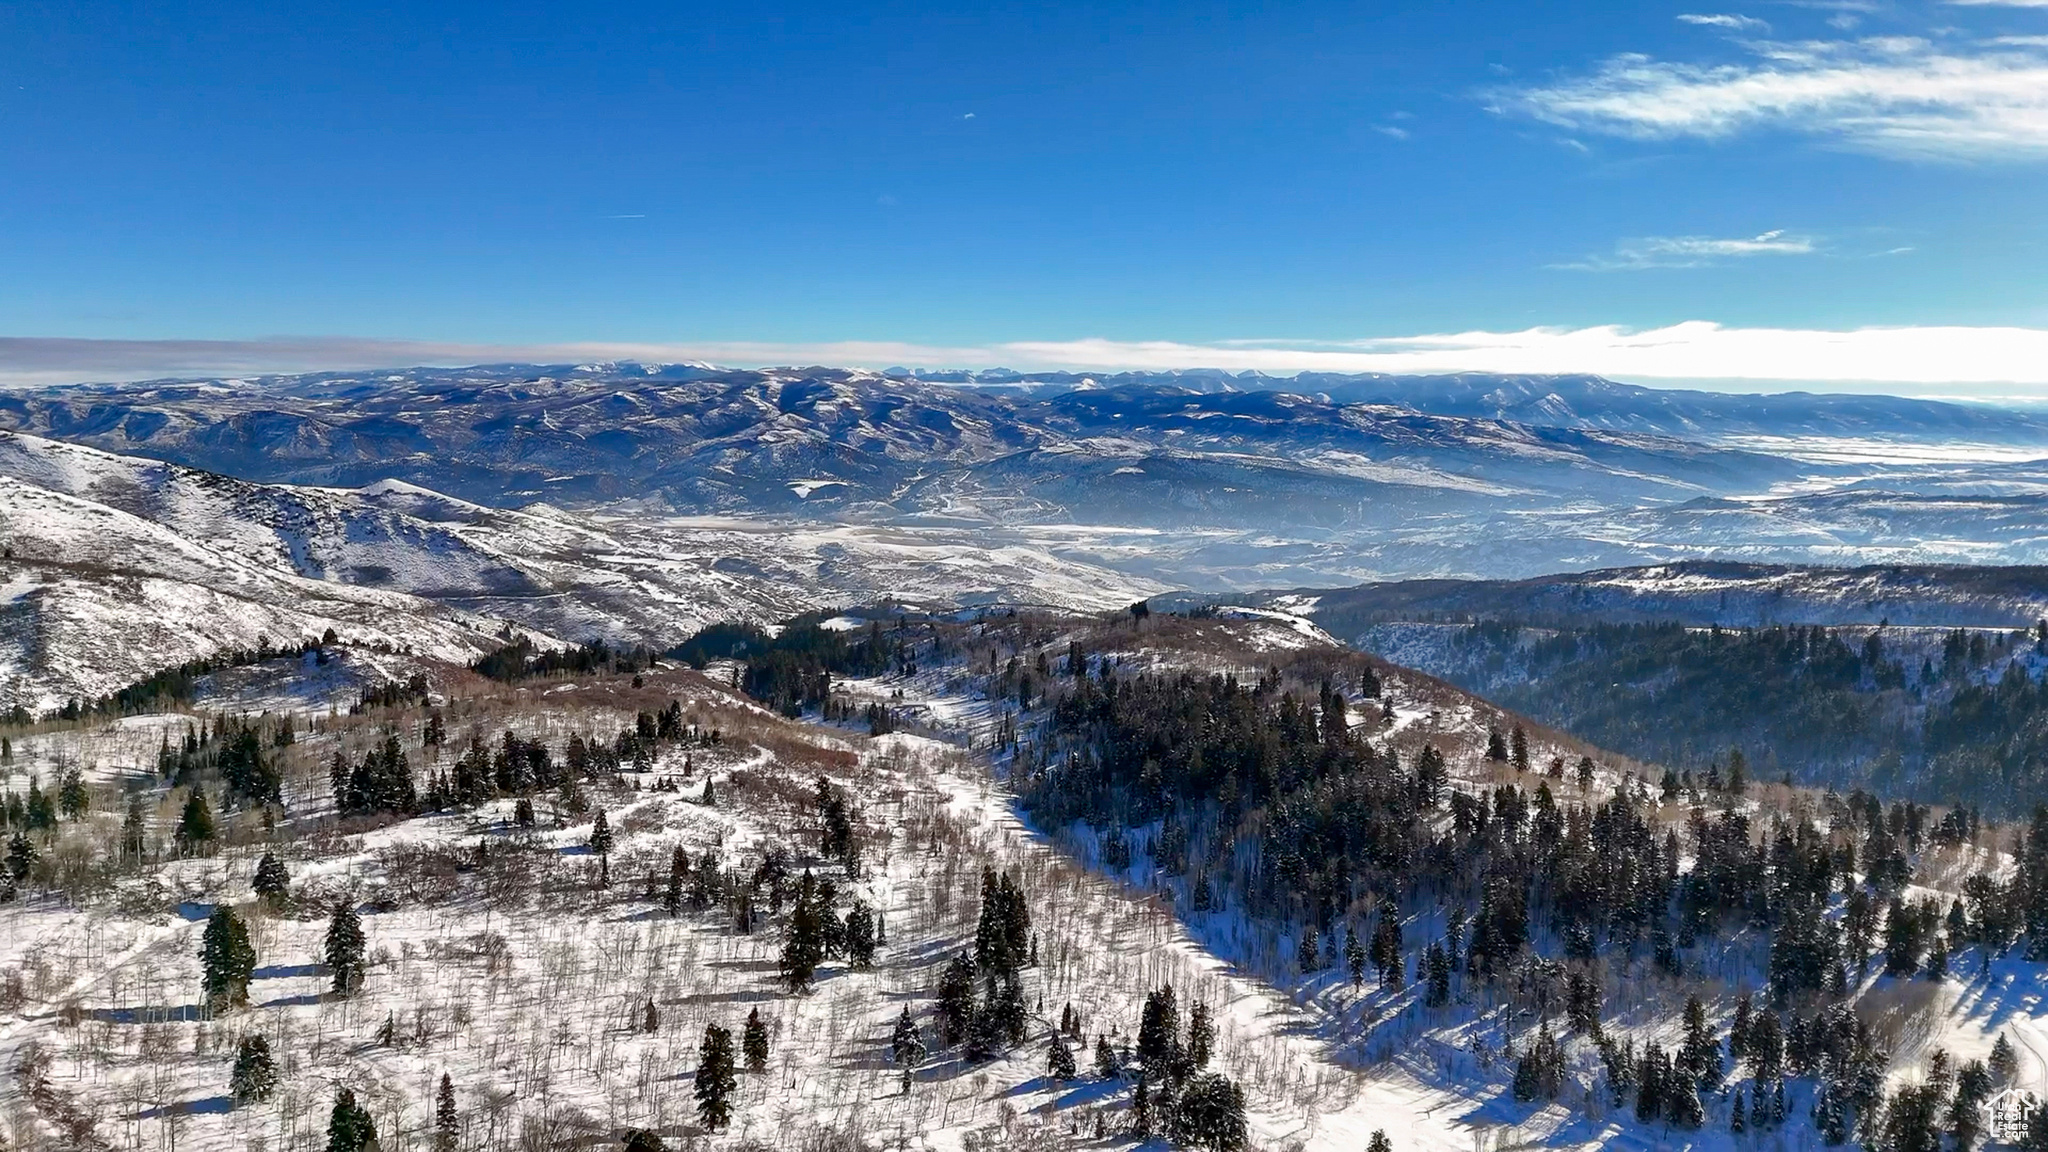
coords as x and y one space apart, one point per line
115 566
1196 479
1699 593
835 440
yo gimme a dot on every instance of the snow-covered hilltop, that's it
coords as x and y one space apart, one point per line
117 566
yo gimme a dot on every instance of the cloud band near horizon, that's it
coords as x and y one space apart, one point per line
2003 360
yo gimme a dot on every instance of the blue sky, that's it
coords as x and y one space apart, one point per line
1252 183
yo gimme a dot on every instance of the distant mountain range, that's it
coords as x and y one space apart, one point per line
832 441
116 566
1586 402
639 502
1700 593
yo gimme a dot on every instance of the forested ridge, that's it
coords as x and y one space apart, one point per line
1558 893
1957 717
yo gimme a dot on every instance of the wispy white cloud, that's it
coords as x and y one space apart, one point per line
1726 20
1692 251
1903 97
1998 3
1902 357
1390 130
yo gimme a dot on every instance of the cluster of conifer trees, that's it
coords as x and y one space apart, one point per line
1176 1096
1830 705
521 659
175 685
793 669
240 750
1346 824
981 1005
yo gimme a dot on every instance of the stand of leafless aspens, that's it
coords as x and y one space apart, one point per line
512 971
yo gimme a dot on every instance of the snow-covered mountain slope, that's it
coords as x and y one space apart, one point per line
547 973
1580 401
1591 402
92 598
495 963
1699 592
219 561
843 441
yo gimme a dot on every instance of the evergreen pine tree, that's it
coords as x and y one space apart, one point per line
345 948
1059 1059
2004 1062
1650 1076
1937 959
1386 949
41 813
1379 1142
72 797
1011 1015
650 1017
447 1124
1106 1064
678 877
272 882
906 1046
21 856
860 937
195 824
1306 956
227 959
754 1043
1437 965
1973 1087
1699 1058
1354 956
349 1128
1201 1036
255 1074
601 834
715 1078
1830 1116
1682 1104
644 1140
1210 1114
1159 1030
133 827
956 999
803 942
